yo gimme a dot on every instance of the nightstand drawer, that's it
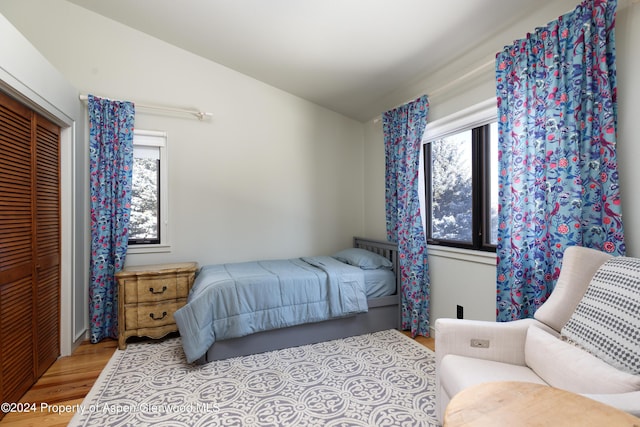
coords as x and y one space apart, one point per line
151 315
162 288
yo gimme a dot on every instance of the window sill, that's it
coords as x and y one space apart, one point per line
469 255
148 249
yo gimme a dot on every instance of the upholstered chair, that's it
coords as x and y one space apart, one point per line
536 350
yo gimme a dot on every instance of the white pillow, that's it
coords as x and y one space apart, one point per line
606 322
568 367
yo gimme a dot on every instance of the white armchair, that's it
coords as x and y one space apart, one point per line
470 352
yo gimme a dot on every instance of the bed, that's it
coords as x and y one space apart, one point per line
232 311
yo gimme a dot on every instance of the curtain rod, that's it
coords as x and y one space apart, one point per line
453 82
201 115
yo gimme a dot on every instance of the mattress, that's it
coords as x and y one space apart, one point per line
379 283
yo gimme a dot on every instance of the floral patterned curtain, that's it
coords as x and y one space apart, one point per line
558 179
110 168
403 129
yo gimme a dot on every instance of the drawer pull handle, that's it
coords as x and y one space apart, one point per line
164 288
164 314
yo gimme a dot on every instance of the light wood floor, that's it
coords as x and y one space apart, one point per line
66 382
427 342
69 380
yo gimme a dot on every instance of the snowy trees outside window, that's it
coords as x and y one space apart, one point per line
148 222
461 188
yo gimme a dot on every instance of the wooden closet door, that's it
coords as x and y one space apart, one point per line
29 247
47 243
16 251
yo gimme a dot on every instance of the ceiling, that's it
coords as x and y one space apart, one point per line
346 55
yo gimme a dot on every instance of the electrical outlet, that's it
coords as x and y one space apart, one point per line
459 312
476 343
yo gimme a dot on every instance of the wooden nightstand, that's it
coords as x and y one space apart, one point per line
148 295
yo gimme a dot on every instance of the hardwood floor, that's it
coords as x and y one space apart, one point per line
430 342
66 382
69 380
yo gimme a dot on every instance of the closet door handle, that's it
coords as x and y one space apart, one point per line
153 316
153 291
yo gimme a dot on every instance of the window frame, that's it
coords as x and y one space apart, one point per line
159 139
476 119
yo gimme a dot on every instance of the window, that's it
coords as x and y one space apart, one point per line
148 221
461 195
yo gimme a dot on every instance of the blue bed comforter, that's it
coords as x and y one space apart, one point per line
234 300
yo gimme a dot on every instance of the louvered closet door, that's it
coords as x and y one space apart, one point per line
29 247
47 245
16 251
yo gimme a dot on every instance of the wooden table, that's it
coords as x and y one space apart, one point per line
526 404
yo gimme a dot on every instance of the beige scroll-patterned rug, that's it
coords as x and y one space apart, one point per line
378 379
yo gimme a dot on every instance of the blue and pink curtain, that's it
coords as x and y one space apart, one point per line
403 130
110 168
558 179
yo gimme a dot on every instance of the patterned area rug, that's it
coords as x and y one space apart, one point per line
378 379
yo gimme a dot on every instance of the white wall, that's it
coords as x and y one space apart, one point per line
270 176
628 64
27 76
468 278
